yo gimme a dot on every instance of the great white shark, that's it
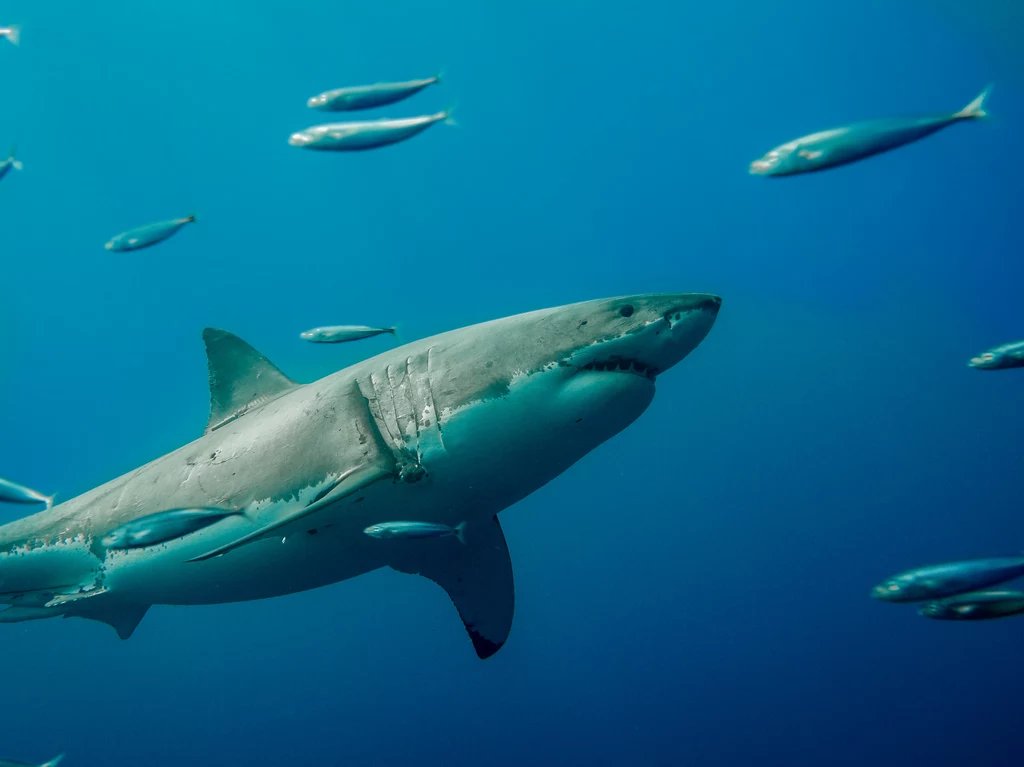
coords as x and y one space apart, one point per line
450 429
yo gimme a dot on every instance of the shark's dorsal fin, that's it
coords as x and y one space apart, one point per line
477 576
241 379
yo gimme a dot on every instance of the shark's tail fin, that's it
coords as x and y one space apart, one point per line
53 762
460 532
976 109
13 33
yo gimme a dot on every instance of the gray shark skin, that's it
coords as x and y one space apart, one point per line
448 429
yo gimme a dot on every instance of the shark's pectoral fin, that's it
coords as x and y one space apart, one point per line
241 379
123 617
349 482
477 577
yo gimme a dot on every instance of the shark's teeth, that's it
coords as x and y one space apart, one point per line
623 365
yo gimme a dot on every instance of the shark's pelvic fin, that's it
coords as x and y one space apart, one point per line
349 482
477 577
241 379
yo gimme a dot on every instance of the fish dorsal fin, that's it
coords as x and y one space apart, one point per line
241 379
477 576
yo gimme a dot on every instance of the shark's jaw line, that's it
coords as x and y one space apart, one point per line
622 365
623 354
630 353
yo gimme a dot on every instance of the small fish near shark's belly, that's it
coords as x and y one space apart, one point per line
325 547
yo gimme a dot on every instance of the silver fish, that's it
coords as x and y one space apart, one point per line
145 236
1009 355
415 530
337 334
12 33
368 96
357 136
949 579
839 146
12 492
976 606
164 526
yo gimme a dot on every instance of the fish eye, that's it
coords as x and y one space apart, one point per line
893 587
626 311
988 356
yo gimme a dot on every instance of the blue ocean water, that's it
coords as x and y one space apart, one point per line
693 592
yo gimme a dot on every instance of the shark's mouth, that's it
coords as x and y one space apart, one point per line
623 365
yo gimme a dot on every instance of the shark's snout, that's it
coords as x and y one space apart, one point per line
690 318
704 302
651 333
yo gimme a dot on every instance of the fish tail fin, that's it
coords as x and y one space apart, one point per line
53 762
190 219
976 109
49 505
460 532
439 77
448 118
393 330
14 34
12 158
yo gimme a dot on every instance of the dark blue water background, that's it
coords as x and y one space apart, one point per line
695 592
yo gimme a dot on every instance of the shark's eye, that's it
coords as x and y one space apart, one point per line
626 311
